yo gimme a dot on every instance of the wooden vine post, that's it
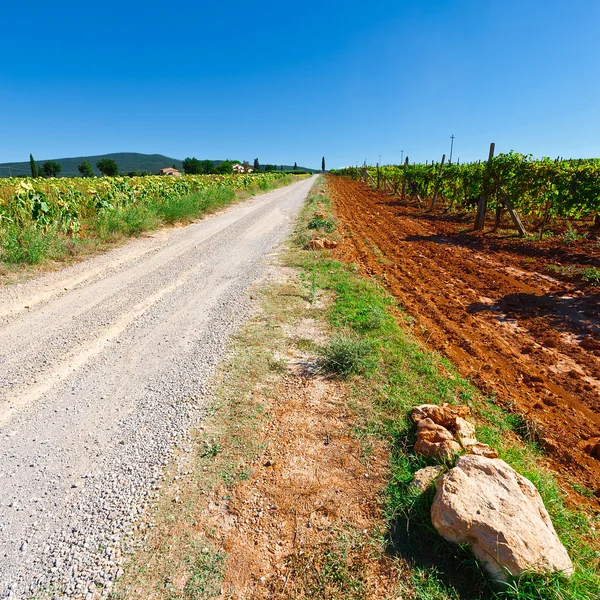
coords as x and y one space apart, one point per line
481 208
378 176
404 178
437 184
511 211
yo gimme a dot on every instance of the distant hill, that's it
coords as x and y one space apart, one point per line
127 162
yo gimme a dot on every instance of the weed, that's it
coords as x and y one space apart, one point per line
571 236
321 223
346 354
591 275
211 449
207 569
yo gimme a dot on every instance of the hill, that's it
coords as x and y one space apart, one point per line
127 162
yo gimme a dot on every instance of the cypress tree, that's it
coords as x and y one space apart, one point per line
323 164
34 171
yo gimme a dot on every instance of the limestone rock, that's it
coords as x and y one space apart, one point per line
482 450
434 440
464 432
425 477
485 503
321 244
444 415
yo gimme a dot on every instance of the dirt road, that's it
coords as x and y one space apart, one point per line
103 368
529 340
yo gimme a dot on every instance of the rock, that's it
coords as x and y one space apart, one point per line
435 441
485 503
593 450
321 244
464 432
589 343
444 415
480 449
425 477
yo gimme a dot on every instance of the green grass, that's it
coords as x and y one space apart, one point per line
207 569
322 224
401 374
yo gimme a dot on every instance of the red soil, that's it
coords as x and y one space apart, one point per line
531 341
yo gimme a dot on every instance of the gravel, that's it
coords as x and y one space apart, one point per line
104 368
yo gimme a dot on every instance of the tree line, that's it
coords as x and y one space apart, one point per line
52 168
191 166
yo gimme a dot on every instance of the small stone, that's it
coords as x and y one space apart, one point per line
426 477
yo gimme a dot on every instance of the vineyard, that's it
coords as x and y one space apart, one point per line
539 190
46 218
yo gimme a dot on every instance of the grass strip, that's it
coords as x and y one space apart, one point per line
374 349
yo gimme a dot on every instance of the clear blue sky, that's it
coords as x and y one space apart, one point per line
290 82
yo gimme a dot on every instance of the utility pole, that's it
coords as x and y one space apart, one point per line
451 148
401 156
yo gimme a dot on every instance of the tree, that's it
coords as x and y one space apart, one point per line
108 167
295 166
192 166
225 168
86 170
207 167
51 168
256 165
323 164
34 171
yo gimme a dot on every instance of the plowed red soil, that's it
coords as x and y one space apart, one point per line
531 341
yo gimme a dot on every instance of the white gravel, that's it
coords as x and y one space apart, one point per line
103 370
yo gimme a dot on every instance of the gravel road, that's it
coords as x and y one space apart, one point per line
103 370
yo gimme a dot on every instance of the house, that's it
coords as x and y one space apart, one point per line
237 168
170 171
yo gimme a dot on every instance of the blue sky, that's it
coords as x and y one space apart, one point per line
292 82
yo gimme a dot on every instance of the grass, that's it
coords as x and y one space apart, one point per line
402 373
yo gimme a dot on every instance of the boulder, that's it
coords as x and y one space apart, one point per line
435 441
486 504
425 477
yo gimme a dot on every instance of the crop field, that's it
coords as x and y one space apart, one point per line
52 218
518 316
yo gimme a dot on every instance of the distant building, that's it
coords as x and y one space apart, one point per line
170 171
237 168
